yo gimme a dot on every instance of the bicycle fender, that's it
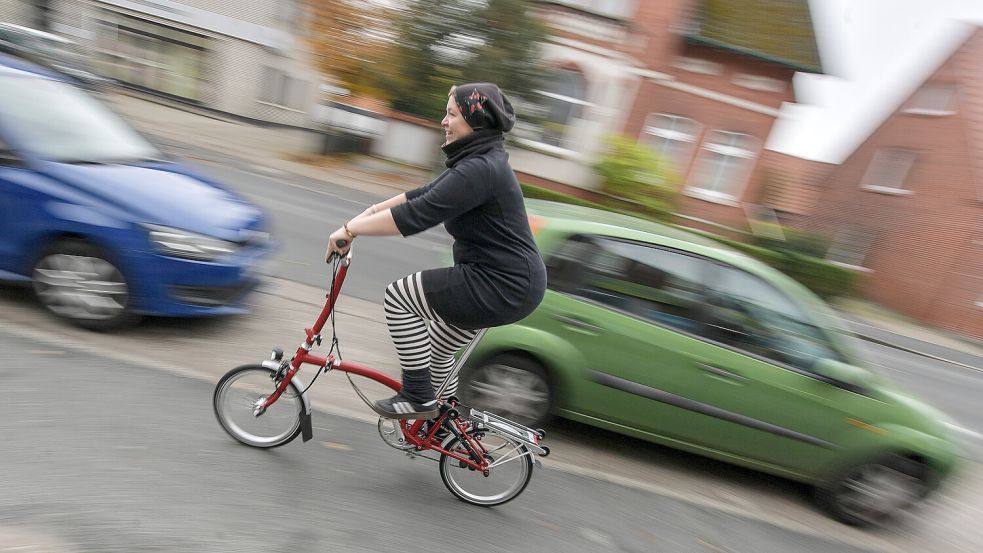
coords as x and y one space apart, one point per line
306 428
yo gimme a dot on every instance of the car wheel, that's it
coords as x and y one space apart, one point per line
78 282
875 491
511 386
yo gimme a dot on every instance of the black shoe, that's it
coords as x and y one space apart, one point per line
399 407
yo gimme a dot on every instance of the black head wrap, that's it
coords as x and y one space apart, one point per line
484 106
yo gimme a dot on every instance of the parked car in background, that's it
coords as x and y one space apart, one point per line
666 336
52 51
103 225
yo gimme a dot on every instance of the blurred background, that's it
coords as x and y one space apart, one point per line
836 142
842 134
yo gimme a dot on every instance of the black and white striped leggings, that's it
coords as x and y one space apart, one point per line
423 340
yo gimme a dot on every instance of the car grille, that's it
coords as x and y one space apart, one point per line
210 296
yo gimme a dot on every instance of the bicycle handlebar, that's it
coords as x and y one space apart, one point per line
340 244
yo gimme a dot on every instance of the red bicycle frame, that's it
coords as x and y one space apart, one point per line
411 432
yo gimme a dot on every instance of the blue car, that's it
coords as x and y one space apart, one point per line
103 225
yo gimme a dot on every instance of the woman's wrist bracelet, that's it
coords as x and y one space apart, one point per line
351 235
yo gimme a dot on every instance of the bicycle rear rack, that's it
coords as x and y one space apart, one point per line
510 429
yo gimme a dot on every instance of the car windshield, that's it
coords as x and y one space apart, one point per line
60 123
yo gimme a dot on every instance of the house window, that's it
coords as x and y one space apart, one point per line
889 170
287 14
724 166
673 137
279 89
610 8
851 247
151 56
933 99
552 115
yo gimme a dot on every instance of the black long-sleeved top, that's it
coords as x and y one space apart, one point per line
498 275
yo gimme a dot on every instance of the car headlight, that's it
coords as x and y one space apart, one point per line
188 245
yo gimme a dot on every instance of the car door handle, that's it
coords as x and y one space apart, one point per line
723 373
579 324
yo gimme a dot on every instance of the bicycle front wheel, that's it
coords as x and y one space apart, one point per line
510 469
237 397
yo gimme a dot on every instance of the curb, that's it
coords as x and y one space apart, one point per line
906 349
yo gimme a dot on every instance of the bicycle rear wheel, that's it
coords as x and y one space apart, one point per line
510 469
237 396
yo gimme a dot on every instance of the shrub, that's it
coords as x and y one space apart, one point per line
820 276
796 240
637 178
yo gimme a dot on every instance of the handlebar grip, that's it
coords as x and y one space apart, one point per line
341 243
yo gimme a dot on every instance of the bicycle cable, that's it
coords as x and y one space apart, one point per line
335 346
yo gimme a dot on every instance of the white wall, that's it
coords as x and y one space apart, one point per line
408 143
18 12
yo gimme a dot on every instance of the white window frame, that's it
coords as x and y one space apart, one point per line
621 9
848 235
279 89
698 65
921 103
533 135
729 152
879 165
670 135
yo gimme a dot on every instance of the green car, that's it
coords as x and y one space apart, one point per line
670 337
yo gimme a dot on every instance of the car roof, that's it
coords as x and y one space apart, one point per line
574 219
582 219
35 33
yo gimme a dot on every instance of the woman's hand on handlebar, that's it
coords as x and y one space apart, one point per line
339 243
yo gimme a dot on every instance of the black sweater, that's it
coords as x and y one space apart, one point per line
498 275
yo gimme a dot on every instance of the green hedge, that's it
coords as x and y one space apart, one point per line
537 193
820 276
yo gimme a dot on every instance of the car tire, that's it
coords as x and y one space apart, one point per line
79 283
511 386
873 492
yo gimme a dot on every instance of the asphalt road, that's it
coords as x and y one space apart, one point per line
102 455
108 455
305 212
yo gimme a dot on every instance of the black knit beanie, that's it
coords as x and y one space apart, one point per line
484 106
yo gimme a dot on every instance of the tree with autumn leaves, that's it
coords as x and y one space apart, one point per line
409 52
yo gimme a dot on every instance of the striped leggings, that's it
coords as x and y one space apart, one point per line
424 343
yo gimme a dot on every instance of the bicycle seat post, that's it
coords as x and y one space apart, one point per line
461 361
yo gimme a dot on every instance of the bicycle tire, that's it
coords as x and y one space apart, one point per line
287 412
453 474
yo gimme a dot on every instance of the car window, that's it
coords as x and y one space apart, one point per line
73 127
746 312
658 285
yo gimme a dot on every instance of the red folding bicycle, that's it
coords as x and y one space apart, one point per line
483 459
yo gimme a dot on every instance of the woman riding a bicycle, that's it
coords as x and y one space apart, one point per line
498 276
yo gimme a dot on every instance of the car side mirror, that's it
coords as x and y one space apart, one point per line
850 375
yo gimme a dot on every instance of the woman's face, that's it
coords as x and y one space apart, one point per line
455 127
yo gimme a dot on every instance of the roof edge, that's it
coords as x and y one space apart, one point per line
696 39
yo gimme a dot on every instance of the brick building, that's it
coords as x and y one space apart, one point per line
715 86
905 206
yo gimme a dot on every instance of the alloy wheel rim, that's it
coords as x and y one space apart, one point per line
877 491
80 287
511 392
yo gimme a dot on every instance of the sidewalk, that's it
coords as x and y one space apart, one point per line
277 149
